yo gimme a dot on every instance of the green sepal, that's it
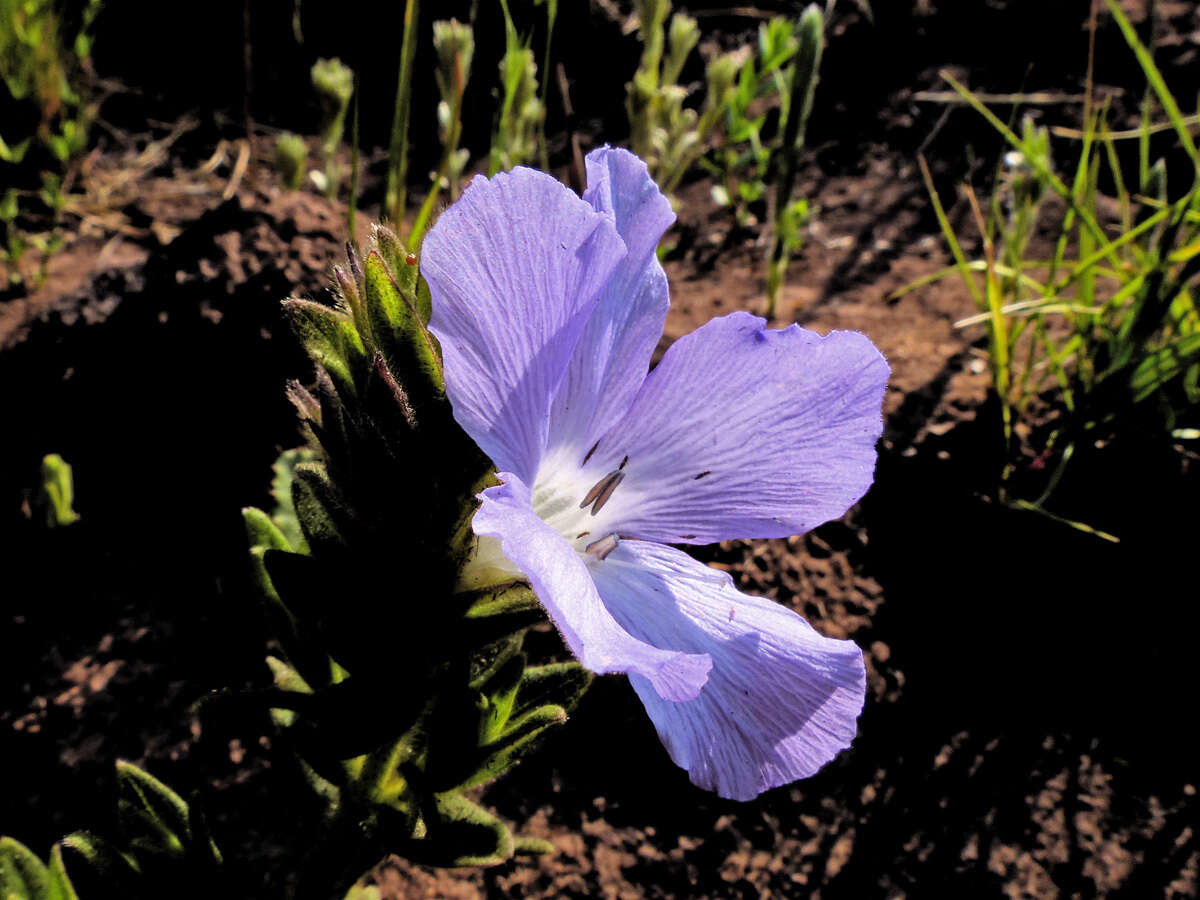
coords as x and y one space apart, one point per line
286 679
424 299
501 693
60 883
305 585
363 892
284 514
112 864
381 381
527 845
488 660
519 740
202 847
159 824
322 514
401 335
500 612
322 787
263 535
343 721
397 256
294 636
560 684
22 875
261 532
57 491
464 834
153 815
291 681
330 338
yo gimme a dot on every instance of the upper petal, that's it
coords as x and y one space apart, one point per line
742 432
613 354
563 584
515 268
781 700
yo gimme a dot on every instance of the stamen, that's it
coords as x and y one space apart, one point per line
589 453
702 474
602 490
601 548
621 467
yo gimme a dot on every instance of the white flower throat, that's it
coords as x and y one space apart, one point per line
583 503
578 505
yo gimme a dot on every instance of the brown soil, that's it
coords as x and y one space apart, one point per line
1020 735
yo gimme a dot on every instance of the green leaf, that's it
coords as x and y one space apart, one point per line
287 679
60 883
101 855
527 845
321 513
499 613
284 514
1163 365
363 892
202 848
465 834
488 661
424 299
261 532
518 741
22 874
501 692
57 492
13 153
561 684
402 265
402 336
330 338
155 817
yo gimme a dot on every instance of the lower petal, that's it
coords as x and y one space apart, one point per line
563 584
781 700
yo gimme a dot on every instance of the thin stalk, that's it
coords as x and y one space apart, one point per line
551 15
804 84
1001 349
395 194
354 165
1026 506
443 170
1055 182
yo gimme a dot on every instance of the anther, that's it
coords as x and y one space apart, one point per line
601 548
601 491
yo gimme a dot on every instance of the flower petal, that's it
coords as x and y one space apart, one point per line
741 432
613 355
781 700
515 268
563 584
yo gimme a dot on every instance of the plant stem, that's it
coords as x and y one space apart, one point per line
443 171
394 196
804 83
354 165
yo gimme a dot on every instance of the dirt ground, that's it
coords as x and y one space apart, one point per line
1025 730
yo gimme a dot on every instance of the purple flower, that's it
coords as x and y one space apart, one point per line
548 308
